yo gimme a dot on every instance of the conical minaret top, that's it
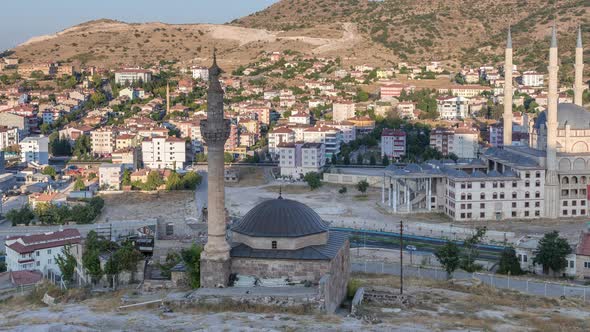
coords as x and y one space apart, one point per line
214 72
579 71
554 36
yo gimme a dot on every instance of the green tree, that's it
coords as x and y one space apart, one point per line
372 160
127 257
551 252
362 186
346 159
342 190
126 180
91 263
448 256
174 182
82 146
362 96
191 180
20 216
45 128
192 261
470 252
509 263
48 170
67 264
385 160
228 158
313 180
79 185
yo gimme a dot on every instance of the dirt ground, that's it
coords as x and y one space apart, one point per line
437 306
170 206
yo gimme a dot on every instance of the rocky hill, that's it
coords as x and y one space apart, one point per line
453 31
456 32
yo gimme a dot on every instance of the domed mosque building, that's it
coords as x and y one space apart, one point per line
287 240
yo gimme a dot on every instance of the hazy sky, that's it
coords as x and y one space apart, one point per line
22 19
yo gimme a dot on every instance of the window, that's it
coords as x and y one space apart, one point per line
526 204
583 203
514 184
495 185
564 212
38 253
482 185
527 183
513 204
527 175
462 206
537 213
495 195
571 264
482 215
49 251
537 194
537 183
482 206
526 213
38 263
587 265
514 195
502 184
462 215
482 196
468 197
49 261
537 204
538 174
525 258
501 195
273 244
527 195
574 203
564 203
513 213
582 212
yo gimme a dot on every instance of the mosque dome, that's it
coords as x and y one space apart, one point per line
280 218
575 116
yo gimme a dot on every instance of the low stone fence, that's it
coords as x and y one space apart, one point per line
150 285
385 296
357 300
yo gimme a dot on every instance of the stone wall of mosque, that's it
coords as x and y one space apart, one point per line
311 270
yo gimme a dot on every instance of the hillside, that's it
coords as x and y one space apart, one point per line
453 31
470 32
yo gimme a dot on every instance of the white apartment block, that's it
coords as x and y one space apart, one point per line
103 140
39 251
164 152
405 110
451 108
532 78
298 159
35 150
278 136
393 143
343 110
8 137
200 73
300 118
462 141
329 136
110 176
131 75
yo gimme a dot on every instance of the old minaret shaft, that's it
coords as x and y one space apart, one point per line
579 68
215 262
508 92
551 180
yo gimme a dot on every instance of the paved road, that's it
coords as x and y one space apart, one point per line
523 285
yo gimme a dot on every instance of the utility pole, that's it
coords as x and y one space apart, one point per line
401 257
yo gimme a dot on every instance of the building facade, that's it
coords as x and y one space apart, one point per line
298 159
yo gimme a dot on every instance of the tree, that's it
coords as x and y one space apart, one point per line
126 179
91 263
385 160
191 180
127 257
362 186
192 261
470 252
82 146
342 190
79 185
313 180
346 159
174 182
372 160
2 267
67 264
20 216
154 180
509 263
228 158
551 252
448 256
360 159
48 170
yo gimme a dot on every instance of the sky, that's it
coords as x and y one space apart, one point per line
23 19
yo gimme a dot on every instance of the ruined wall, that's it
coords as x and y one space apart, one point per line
334 284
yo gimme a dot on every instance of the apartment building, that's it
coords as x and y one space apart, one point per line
103 140
298 159
279 136
343 110
131 75
462 141
393 143
110 176
8 137
35 150
164 152
330 137
452 108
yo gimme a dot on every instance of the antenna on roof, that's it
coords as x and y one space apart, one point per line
280 191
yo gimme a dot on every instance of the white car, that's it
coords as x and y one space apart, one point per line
411 247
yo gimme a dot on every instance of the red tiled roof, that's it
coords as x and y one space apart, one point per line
23 249
45 237
19 278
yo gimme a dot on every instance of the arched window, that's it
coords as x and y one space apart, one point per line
583 180
495 195
574 179
527 195
565 180
514 195
538 194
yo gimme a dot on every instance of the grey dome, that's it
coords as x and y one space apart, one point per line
575 116
280 218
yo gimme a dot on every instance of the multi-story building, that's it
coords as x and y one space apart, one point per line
343 110
39 251
129 157
200 73
451 108
393 143
278 136
298 159
301 118
532 79
110 176
8 137
103 140
329 136
465 91
462 141
405 110
35 150
164 152
131 75
47 69
26 124
390 91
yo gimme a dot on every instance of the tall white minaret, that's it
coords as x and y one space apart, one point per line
551 180
579 80
508 91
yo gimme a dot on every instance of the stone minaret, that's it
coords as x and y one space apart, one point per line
551 180
167 97
508 92
579 80
215 261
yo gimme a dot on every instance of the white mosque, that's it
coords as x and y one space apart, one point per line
547 179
